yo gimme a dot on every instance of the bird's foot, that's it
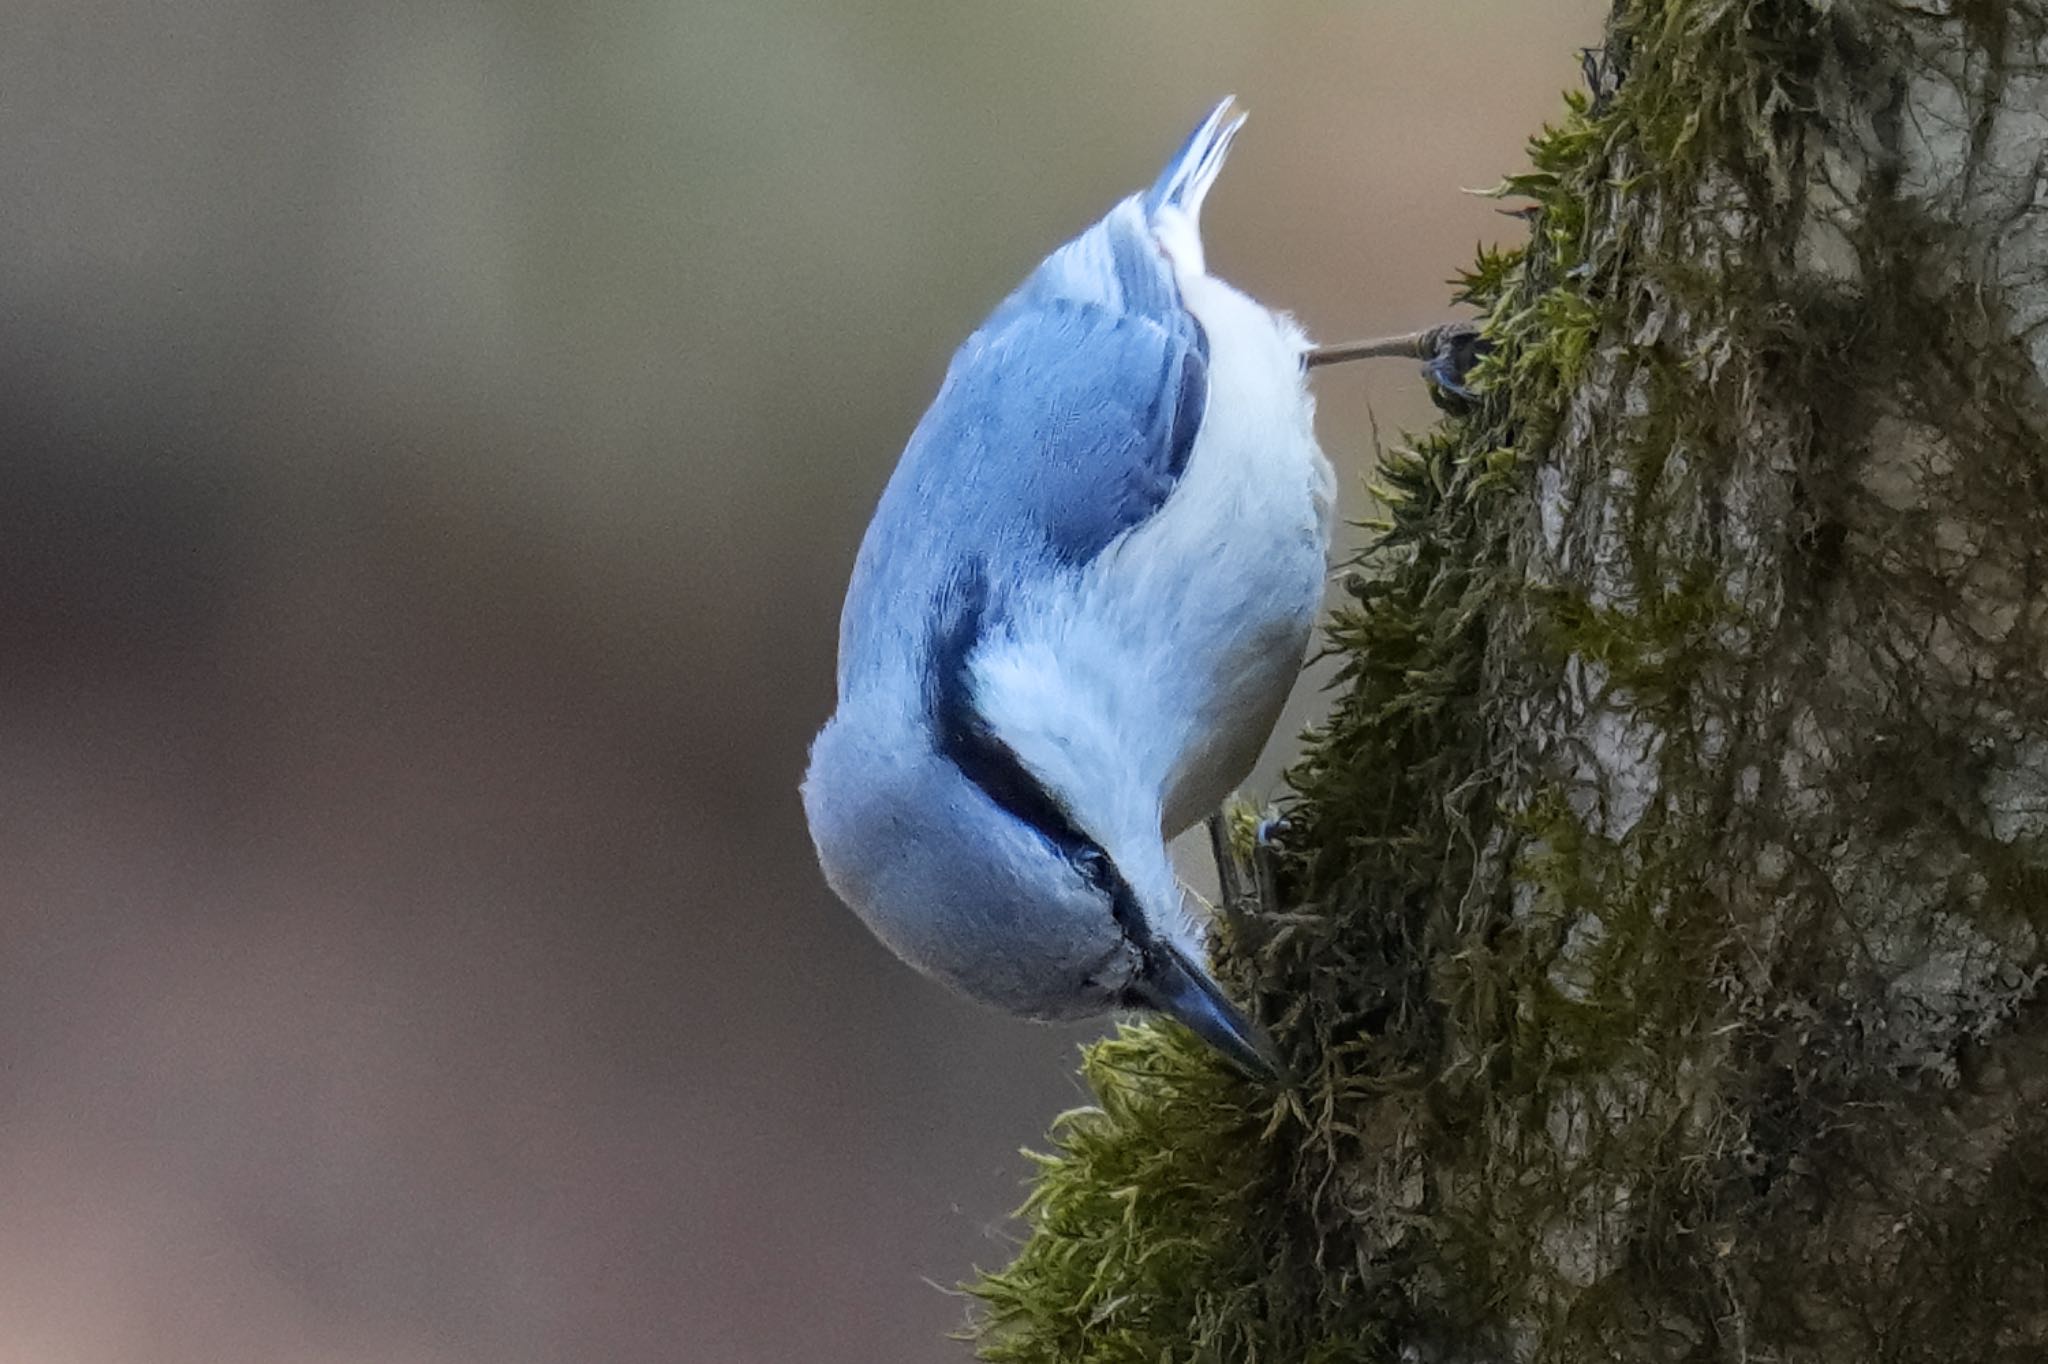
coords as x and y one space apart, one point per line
1450 353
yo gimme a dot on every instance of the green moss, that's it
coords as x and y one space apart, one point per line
1653 648
1162 1225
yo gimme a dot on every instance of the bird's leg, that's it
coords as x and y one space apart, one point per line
1252 890
1407 346
1447 352
1266 864
1230 872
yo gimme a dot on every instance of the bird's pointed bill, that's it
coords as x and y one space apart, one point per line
1183 990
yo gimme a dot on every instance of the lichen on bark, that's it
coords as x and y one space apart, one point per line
1667 889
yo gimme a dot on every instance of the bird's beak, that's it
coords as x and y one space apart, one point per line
1183 990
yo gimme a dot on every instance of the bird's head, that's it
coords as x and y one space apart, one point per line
1013 891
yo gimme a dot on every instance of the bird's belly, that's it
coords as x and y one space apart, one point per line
1211 606
1240 646
1160 667
1227 734
1217 594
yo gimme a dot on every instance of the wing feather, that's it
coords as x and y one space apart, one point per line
1068 418
1059 427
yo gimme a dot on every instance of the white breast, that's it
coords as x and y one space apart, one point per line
1144 691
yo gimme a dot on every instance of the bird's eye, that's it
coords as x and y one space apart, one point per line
1093 864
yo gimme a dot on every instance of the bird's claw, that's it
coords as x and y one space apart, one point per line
1449 353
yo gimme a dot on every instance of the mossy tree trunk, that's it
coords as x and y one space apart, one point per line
1666 896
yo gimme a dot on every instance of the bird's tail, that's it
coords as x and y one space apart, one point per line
1126 262
1185 181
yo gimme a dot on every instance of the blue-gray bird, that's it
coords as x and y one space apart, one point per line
1082 601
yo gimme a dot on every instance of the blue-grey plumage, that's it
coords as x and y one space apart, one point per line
1081 603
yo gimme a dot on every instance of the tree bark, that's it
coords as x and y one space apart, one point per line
1665 897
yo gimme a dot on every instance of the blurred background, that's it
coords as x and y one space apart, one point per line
434 435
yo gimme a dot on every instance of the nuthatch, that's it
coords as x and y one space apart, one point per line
1082 601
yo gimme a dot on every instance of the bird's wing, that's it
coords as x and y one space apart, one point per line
1064 421
1069 423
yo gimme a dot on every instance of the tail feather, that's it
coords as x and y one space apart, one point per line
1126 262
1185 181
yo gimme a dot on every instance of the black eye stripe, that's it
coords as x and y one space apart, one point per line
966 740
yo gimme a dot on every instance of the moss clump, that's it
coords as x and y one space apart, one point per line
1163 1224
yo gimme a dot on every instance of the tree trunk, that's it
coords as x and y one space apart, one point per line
1664 901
